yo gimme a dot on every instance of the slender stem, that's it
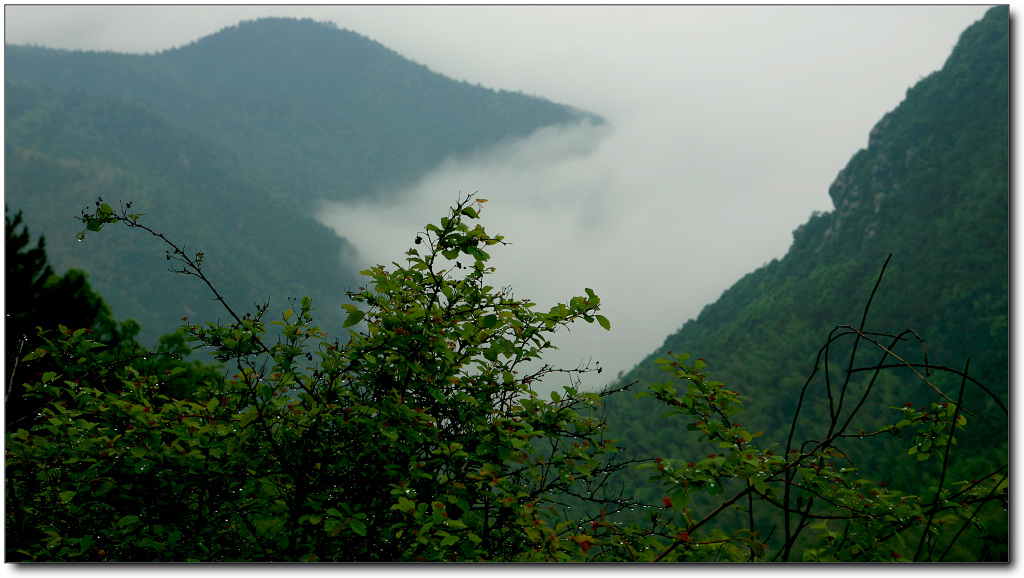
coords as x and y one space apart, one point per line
945 464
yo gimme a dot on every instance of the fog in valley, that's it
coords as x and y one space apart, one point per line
725 127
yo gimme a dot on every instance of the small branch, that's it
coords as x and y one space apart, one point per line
14 369
945 465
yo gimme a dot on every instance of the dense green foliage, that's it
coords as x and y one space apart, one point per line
36 297
41 305
932 189
231 142
420 438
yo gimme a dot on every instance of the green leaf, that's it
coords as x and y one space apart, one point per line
39 352
333 527
248 416
66 496
105 487
604 322
130 519
455 523
353 318
358 526
489 321
759 484
404 504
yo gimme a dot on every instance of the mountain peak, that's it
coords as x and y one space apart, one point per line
279 30
290 46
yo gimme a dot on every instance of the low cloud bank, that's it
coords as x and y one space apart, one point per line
655 234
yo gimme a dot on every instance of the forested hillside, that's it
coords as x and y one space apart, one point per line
230 142
418 435
66 149
932 189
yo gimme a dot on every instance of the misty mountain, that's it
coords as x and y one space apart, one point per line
312 108
228 144
932 189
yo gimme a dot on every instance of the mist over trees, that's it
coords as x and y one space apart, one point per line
845 403
281 113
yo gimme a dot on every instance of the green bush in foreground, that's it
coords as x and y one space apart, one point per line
421 439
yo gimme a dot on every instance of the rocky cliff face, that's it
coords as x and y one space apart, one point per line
849 198
922 154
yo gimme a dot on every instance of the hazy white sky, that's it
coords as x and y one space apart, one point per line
726 127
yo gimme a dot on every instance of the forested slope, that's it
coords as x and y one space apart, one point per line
316 110
932 189
66 149
228 144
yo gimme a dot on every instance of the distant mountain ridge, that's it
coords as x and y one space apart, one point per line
343 115
227 144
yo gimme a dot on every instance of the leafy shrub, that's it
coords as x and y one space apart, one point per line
420 438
